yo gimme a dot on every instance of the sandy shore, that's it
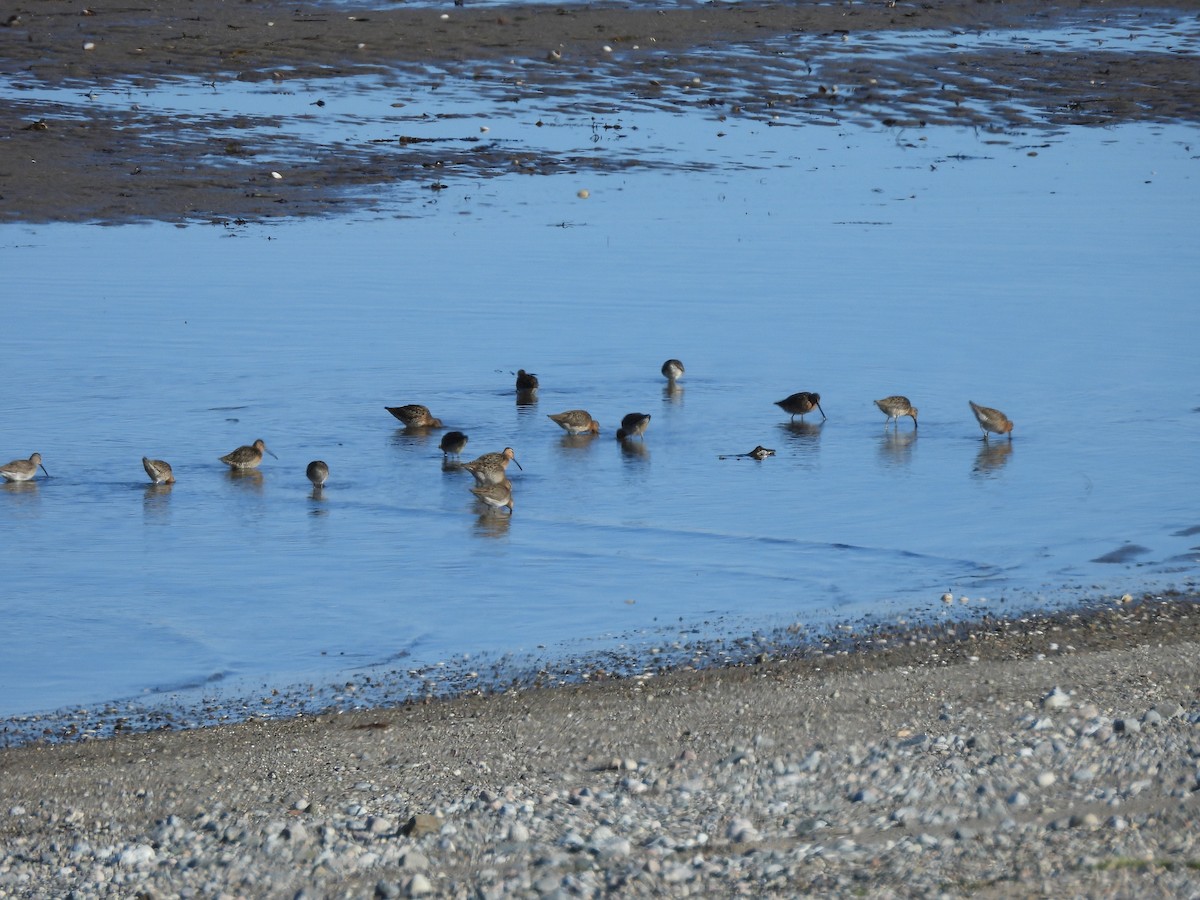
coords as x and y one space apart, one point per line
1047 757
75 159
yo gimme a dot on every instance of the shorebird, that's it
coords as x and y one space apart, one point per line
800 403
991 420
895 407
490 468
672 369
576 421
414 416
247 457
633 425
526 381
497 495
23 469
759 452
159 471
317 472
453 443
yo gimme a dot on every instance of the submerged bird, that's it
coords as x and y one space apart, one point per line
526 381
633 425
159 471
247 457
414 415
23 469
759 452
991 420
576 421
800 403
496 495
317 472
672 369
895 407
453 443
490 468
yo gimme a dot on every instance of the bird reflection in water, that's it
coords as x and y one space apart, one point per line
991 458
895 447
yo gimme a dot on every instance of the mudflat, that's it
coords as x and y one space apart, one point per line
72 160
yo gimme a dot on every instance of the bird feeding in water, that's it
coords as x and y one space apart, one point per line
800 403
896 406
991 420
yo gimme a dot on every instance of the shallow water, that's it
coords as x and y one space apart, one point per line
1051 274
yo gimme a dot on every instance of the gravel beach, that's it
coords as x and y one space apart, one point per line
1042 757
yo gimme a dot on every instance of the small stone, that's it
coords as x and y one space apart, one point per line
422 824
742 831
419 886
1056 699
380 825
414 861
1152 718
1045 779
1126 726
136 855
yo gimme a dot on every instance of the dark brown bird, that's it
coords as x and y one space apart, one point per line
800 403
317 472
453 443
526 381
633 425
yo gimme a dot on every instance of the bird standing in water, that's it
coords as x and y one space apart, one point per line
896 406
23 469
414 415
247 457
497 495
490 468
317 472
159 471
633 425
800 403
453 443
576 421
991 420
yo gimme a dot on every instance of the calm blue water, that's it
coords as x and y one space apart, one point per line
1052 276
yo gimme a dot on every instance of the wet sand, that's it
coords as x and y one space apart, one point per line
72 161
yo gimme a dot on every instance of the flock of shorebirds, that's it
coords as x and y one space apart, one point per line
492 485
